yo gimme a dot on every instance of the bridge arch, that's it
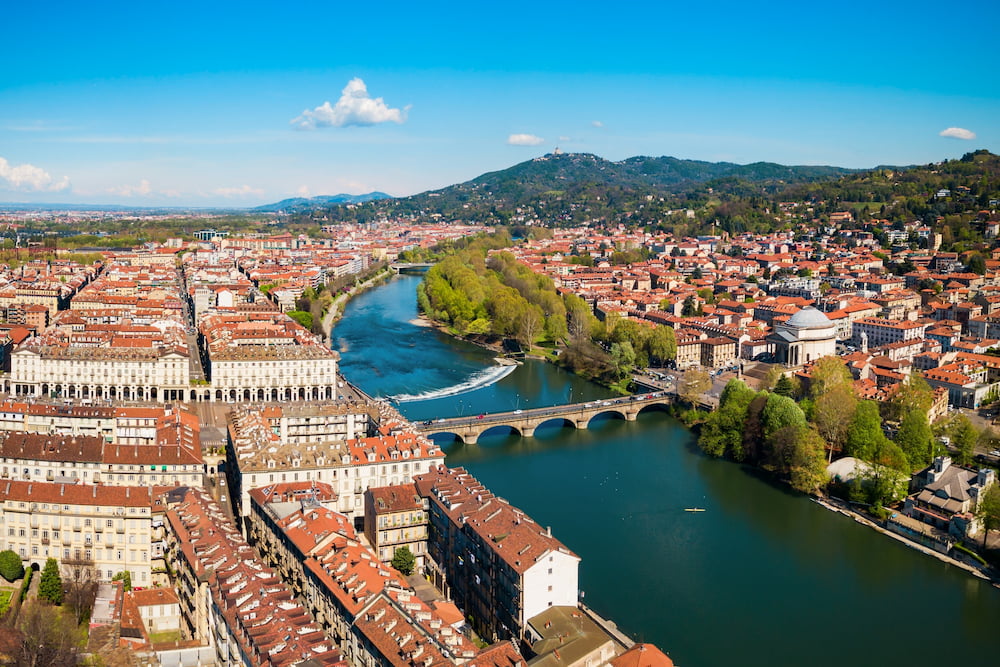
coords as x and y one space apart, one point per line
610 412
654 407
504 428
442 437
561 422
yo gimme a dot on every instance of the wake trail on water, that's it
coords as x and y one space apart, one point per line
478 380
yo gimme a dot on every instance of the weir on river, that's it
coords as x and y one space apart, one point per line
762 577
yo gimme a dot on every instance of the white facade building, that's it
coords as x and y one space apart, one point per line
806 336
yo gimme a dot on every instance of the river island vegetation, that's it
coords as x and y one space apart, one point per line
483 293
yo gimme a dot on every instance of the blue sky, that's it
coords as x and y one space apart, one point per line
224 104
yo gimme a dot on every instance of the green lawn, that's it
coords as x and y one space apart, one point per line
5 596
169 636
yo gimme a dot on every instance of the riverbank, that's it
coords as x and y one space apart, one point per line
625 484
336 310
982 572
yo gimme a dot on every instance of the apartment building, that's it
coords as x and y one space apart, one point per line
875 331
108 525
232 599
501 567
351 446
395 517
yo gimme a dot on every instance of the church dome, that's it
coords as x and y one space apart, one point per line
809 318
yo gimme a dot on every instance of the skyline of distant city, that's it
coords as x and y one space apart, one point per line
236 106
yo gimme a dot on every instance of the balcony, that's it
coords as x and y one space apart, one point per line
99 528
45 540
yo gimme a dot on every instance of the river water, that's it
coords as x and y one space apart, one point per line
763 577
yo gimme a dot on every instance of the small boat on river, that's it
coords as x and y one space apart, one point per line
694 509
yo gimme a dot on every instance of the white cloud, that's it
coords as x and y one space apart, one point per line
355 107
302 191
524 140
564 139
144 189
958 133
29 178
241 191
597 123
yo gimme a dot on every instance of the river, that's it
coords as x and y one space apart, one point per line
763 577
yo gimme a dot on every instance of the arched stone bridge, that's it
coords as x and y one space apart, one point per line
524 422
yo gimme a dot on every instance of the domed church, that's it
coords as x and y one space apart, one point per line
805 336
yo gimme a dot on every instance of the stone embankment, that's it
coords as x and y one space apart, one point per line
834 505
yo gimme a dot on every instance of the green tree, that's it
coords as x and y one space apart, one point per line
722 433
50 585
662 344
832 414
808 464
693 386
11 567
780 412
529 325
977 263
771 378
623 357
827 373
404 560
915 439
125 577
796 451
864 434
302 317
915 394
963 438
988 510
784 387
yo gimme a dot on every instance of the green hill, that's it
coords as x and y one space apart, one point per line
575 188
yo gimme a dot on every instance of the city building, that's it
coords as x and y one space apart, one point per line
501 567
395 517
351 446
804 337
946 496
232 599
108 526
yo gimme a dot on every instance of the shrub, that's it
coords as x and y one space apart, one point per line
10 565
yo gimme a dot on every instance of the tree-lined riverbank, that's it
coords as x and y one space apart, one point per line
783 574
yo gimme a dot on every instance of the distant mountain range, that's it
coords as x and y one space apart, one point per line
299 204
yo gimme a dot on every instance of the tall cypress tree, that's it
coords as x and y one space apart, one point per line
50 585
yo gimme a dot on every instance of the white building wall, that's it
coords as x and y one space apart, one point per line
552 581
